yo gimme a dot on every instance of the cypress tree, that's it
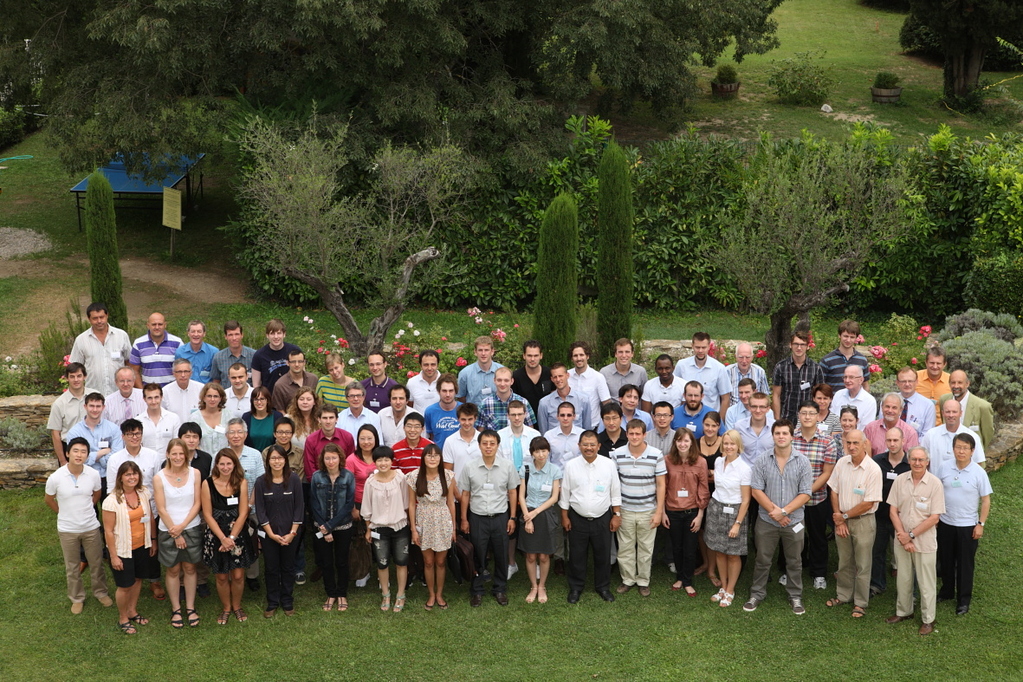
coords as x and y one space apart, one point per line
614 250
101 237
557 278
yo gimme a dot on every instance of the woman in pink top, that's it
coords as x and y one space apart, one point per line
385 509
360 463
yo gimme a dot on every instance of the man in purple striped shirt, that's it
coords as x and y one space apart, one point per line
152 355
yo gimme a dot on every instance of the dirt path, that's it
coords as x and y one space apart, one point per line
148 285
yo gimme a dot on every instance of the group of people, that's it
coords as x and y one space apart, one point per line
564 462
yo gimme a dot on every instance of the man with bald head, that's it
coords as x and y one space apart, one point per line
744 368
854 395
152 355
892 463
938 440
891 417
126 402
856 490
977 413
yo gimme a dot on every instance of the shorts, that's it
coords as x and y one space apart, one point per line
140 566
391 545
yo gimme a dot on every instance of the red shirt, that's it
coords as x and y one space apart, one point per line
314 446
407 459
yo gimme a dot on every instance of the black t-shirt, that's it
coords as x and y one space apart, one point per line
272 364
607 445
532 392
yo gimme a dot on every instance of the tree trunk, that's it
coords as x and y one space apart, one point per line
962 70
777 338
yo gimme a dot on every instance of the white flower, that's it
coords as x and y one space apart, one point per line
415 333
8 358
14 367
333 336
351 361
410 325
401 332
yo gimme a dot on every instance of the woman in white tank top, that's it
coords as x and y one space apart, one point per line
176 491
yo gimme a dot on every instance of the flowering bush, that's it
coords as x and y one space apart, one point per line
906 344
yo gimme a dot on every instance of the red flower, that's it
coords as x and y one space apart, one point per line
410 374
761 353
460 362
912 361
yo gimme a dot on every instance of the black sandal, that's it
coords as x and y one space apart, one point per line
176 620
139 619
128 628
192 623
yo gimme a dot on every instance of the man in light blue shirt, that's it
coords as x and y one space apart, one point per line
197 352
356 414
476 381
717 389
102 435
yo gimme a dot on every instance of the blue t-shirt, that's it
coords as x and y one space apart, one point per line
440 423
693 423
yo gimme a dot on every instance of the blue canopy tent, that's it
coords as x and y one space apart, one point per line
133 191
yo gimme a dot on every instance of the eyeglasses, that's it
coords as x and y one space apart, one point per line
133 434
283 433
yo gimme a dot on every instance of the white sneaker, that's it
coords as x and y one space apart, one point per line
361 582
784 579
512 570
820 584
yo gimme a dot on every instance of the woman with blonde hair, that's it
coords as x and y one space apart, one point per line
178 501
726 527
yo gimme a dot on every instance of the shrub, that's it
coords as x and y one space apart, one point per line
557 279
54 346
799 80
726 75
996 283
14 380
917 38
891 5
12 126
995 368
101 237
614 251
1003 326
18 436
886 80
901 342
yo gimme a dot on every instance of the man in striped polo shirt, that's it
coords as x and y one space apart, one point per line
642 472
152 355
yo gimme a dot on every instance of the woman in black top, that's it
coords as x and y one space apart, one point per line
279 512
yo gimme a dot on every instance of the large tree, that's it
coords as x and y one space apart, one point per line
493 76
968 30
809 218
318 231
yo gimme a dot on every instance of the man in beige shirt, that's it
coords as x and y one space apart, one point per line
916 501
855 491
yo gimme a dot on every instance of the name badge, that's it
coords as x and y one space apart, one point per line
115 355
375 535
319 535
728 510
797 528
104 444
682 493
488 486
599 488
486 390
691 427
232 501
219 428
891 475
822 427
975 427
145 519
546 488
922 506
804 386
261 533
957 484
859 491
374 403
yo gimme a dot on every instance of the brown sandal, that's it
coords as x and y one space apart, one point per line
223 617
240 615
858 612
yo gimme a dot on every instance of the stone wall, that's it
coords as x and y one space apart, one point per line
25 472
33 410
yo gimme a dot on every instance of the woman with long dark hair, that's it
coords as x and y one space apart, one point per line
432 513
686 497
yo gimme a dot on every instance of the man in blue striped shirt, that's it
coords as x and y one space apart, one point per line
643 474
152 355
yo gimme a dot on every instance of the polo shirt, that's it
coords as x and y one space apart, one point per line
607 446
65 412
907 494
888 475
655 392
488 486
475 384
963 490
118 409
181 401
236 406
564 446
75 512
820 450
712 376
407 458
796 384
514 448
532 391
350 423
156 360
933 390
224 358
781 487
754 444
865 404
856 483
590 488
494 412
458 452
148 462
329 391
202 360
101 359
441 423
693 422
938 441
590 381
540 485
636 376
638 477
104 435
422 393
876 432
834 363
735 375
378 396
271 364
547 415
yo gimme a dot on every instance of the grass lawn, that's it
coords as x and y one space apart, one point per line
665 636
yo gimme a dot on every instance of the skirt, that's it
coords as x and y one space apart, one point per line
716 526
541 540
225 562
169 553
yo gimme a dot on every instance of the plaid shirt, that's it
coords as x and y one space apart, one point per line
494 412
820 450
792 381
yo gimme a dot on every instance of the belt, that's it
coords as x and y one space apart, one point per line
591 518
489 516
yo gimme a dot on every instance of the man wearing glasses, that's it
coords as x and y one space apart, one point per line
794 378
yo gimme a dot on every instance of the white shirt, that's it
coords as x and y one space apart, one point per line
236 406
590 488
458 452
75 513
865 404
422 393
712 376
156 435
350 423
148 462
181 401
101 360
655 392
564 446
938 441
729 479
590 381
119 409
391 432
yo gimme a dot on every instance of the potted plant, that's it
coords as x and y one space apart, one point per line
726 83
885 89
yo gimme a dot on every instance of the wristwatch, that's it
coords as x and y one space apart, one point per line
981 523
912 536
845 517
618 513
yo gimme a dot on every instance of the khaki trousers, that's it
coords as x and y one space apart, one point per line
855 559
92 542
636 547
922 567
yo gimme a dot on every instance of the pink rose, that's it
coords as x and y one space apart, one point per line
912 361
410 374
460 362
875 369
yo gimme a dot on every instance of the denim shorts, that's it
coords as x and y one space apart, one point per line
391 545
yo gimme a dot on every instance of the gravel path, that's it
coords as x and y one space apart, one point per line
18 242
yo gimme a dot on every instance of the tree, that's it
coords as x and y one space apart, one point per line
810 217
557 277
968 30
120 76
101 237
614 249
318 232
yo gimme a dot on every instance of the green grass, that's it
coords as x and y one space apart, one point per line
665 636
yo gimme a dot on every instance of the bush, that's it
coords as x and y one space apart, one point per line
726 75
917 38
996 284
886 80
1003 327
891 5
614 252
54 346
799 80
12 126
101 241
557 281
995 368
18 436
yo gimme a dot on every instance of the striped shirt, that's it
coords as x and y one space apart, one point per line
834 363
756 373
796 384
494 412
782 487
156 360
223 359
639 477
331 392
820 450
